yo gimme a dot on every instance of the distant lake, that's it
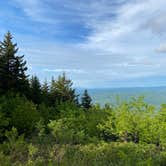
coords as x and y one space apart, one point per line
153 95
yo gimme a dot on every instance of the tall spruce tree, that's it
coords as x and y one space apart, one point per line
12 67
45 87
45 93
35 88
86 100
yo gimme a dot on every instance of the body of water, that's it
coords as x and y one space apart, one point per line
155 95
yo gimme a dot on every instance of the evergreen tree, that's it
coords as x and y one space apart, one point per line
45 92
35 88
62 91
76 101
86 100
12 68
45 87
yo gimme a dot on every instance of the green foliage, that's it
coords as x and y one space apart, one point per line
45 93
24 116
47 113
114 154
76 126
4 123
32 150
15 146
65 131
131 133
12 68
86 100
20 113
137 122
41 131
61 90
35 88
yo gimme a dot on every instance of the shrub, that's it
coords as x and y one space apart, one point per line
21 113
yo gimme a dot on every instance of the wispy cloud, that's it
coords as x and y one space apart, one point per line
77 71
98 43
161 48
34 9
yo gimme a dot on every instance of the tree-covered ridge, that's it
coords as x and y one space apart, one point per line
49 124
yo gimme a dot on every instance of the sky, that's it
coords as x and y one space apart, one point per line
97 43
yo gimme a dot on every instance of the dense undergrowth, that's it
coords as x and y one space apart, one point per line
129 133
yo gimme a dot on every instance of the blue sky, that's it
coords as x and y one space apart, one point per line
98 43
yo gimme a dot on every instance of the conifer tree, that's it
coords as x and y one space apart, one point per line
86 100
45 92
35 88
62 90
12 67
45 87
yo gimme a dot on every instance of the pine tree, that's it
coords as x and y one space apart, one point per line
86 100
62 91
45 87
35 88
12 68
45 92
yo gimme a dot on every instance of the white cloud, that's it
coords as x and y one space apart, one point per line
162 48
120 44
133 20
77 71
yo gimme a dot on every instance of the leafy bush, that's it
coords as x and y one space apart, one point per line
21 114
128 134
113 154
